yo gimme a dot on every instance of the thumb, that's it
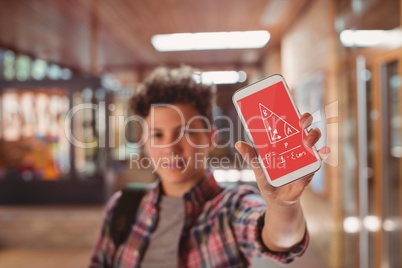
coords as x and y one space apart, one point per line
246 150
250 156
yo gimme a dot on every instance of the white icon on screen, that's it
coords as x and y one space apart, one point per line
276 127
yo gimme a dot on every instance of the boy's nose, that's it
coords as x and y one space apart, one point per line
173 147
173 150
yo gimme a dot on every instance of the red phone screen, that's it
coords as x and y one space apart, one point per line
274 126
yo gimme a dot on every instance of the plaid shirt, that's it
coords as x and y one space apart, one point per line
222 229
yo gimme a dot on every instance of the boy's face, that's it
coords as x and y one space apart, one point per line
178 139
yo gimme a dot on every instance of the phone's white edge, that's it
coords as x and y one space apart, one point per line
295 175
253 88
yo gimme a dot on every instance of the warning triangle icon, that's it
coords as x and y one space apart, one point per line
276 128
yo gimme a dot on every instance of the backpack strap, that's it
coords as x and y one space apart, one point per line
124 213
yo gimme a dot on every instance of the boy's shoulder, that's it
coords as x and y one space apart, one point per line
117 195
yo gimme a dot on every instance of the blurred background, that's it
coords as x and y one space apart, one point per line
69 67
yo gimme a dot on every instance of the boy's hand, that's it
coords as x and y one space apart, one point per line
290 193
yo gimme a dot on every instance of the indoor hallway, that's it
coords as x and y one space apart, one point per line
70 68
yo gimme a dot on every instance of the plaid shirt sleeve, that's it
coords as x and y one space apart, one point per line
104 247
248 223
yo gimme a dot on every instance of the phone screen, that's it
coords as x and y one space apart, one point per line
273 125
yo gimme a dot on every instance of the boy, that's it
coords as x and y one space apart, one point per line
185 218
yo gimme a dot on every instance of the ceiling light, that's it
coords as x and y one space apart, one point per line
392 224
210 41
351 224
372 223
362 38
369 38
220 77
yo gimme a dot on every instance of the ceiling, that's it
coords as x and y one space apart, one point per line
102 35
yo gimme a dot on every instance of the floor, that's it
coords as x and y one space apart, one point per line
62 237
68 258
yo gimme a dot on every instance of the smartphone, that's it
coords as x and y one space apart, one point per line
271 121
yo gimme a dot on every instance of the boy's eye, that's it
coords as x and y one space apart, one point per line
192 131
187 131
156 135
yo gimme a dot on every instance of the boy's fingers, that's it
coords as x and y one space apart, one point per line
324 152
312 137
246 151
305 120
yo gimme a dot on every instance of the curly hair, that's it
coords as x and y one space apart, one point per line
174 86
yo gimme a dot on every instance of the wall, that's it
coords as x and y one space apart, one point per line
306 47
272 63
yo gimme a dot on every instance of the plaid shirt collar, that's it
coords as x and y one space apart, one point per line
194 199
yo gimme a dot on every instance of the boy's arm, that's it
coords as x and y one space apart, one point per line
284 224
284 227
